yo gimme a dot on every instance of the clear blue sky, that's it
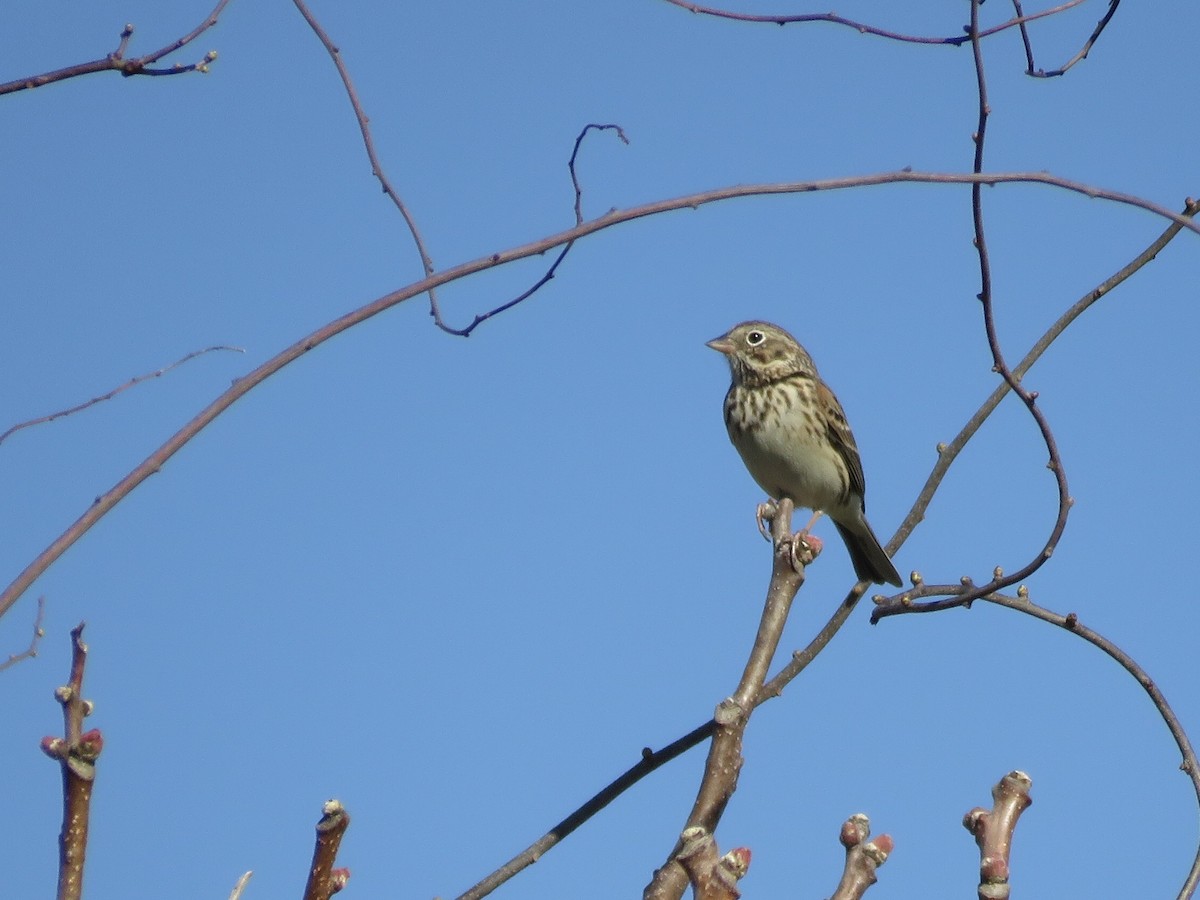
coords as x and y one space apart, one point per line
458 584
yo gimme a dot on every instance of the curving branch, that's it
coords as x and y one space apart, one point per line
1083 52
545 279
116 61
955 595
108 395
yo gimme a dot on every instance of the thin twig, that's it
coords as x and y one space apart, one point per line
364 126
650 761
863 857
38 633
132 382
549 274
1085 50
862 27
156 460
116 61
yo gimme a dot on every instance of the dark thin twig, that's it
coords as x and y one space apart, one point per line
116 61
38 633
364 128
1087 46
103 504
549 274
132 382
1024 36
863 28
651 760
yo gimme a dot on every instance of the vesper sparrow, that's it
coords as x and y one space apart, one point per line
793 437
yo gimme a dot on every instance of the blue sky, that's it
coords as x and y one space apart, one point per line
459 584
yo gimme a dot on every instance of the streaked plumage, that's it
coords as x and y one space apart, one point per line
793 437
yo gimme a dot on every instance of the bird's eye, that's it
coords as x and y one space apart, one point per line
755 338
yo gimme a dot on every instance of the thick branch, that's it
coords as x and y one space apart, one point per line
733 714
993 830
76 752
323 879
863 857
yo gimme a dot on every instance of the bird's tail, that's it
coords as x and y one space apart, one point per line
867 556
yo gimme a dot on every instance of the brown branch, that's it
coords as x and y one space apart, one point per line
1190 765
364 128
116 61
712 877
153 463
132 382
733 714
76 752
954 595
862 27
862 857
323 879
38 633
993 830
1084 51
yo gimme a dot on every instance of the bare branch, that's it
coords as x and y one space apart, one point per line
537 285
862 27
116 61
153 463
712 877
365 128
132 382
1084 51
862 857
76 752
993 830
650 761
323 879
955 595
238 888
1190 765
38 633
789 556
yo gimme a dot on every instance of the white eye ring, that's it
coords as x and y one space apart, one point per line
755 338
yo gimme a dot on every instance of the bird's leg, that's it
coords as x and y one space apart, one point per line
812 544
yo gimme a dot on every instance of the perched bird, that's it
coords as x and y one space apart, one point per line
793 437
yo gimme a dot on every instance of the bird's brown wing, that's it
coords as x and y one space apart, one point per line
842 439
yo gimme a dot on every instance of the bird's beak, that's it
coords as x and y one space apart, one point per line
722 344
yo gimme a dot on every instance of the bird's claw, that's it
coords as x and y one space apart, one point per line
803 548
764 514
